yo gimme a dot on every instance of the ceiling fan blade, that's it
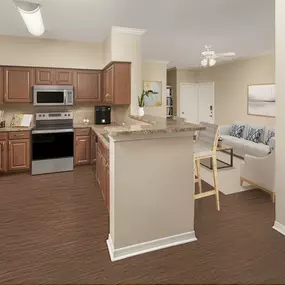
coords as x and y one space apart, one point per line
225 54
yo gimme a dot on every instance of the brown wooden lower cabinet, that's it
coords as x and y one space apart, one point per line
19 154
15 151
102 171
93 148
82 150
3 156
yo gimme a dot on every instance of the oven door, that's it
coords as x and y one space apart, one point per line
49 97
52 151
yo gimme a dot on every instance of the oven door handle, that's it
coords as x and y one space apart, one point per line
35 132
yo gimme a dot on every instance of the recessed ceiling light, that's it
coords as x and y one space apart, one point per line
31 14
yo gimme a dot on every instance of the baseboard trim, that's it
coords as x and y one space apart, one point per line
279 228
141 248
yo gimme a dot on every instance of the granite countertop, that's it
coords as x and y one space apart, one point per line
156 125
99 130
2 130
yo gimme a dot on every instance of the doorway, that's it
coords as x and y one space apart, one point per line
197 102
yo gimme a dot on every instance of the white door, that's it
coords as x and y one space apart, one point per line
189 102
206 94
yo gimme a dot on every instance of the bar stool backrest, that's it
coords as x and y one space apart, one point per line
208 137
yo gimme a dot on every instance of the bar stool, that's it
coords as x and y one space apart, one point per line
205 148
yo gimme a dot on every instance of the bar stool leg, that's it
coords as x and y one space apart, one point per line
198 168
215 175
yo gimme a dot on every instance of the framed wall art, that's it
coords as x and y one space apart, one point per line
261 100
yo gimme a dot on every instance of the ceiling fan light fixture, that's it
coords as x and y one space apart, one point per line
204 62
31 14
212 62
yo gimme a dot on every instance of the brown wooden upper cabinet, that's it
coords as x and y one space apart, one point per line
117 83
44 76
87 85
52 76
63 77
18 82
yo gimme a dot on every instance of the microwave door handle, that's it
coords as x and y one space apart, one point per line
64 98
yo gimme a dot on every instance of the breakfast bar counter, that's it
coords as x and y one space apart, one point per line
150 206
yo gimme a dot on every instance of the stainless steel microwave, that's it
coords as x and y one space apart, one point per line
52 95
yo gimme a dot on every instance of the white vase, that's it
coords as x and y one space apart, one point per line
141 111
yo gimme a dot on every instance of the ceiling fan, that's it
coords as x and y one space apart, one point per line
209 56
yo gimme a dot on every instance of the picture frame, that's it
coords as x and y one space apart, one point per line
261 100
154 99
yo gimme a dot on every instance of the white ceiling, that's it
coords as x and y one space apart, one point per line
177 30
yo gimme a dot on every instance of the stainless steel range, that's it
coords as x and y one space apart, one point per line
53 143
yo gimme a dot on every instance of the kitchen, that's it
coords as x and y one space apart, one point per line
57 90
102 75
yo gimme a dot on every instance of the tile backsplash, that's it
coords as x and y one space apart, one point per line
119 113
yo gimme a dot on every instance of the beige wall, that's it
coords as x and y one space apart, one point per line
280 118
147 209
156 71
231 81
126 46
107 48
183 76
50 53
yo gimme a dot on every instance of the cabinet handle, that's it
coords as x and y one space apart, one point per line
2 147
19 135
5 96
9 146
107 95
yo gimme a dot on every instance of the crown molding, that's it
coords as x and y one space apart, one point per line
131 31
172 68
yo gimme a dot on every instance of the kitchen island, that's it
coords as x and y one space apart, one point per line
151 186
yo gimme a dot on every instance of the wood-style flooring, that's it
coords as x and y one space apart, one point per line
53 229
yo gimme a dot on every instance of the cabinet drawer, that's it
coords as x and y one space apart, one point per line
82 132
3 136
19 135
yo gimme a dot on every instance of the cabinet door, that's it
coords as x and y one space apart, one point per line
93 148
18 82
109 81
63 77
44 76
19 154
3 156
87 86
1 85
122 83
105 84
82 150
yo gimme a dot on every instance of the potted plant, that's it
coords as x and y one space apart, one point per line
141 100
